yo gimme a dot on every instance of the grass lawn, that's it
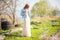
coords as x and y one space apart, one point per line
37 30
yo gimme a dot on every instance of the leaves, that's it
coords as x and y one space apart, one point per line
43 8
40 8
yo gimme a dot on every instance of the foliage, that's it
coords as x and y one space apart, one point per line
43 8
40 8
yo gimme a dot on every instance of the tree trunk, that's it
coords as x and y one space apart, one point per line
14 10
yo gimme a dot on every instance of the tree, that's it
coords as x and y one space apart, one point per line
41 8
8 7
54 12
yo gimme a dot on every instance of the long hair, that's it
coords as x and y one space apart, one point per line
26 6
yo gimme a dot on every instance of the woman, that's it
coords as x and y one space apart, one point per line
25 14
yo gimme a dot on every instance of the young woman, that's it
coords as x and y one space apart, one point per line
26 28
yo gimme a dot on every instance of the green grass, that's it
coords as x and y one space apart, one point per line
17 35
3 31
38 29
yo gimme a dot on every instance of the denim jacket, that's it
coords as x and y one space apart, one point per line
23 13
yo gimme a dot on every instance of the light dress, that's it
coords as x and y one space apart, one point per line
26 28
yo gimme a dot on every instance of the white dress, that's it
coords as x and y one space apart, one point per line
26 29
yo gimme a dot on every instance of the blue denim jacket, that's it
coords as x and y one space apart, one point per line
23 13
